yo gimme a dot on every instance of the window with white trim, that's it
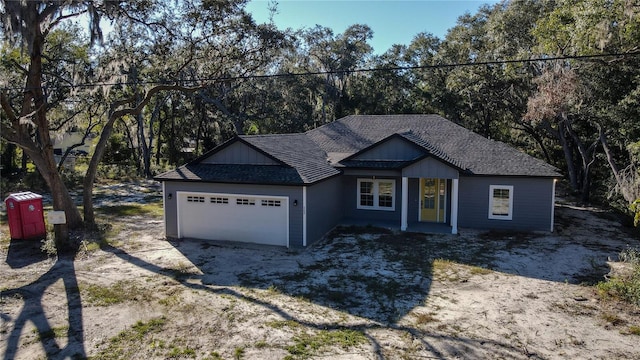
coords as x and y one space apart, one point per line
500 202
376 194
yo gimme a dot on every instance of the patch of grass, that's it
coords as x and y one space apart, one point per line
178 352
126 210
624 287
171 300
478 270
119 292
273 290
574 308
53 333
125 344
260 344
181 270
444 265
306 345
613 319
238 353
631 256
214 356
422 318
634 330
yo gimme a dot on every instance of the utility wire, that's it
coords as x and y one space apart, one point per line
203 81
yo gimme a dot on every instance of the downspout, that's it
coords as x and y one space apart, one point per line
164 207
304 216
454 206
405 204
553 203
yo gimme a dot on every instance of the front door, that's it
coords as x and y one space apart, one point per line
433 200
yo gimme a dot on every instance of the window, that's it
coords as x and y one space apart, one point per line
245 202
366 193
270 202
376 194
198 199
219 200
500 202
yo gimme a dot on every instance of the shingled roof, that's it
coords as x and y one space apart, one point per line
442 138
316 155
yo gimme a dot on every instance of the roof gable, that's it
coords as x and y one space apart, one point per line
237 151
297 151
392 148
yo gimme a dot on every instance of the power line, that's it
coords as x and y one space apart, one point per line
213 80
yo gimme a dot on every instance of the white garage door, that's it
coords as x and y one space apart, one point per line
245 218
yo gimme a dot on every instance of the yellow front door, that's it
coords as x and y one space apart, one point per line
433 199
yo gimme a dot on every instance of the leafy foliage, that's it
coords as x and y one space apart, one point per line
174 79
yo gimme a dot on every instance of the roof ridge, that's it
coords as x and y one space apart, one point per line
433 149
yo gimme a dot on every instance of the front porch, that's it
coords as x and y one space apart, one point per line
446 208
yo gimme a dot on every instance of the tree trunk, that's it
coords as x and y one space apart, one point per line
568 155
40 150
90 176
587 158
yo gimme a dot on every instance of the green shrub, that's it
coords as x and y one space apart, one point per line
624 287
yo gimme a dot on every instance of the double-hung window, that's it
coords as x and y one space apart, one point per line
376 194
500 202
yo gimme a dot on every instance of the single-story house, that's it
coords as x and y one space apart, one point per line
411 171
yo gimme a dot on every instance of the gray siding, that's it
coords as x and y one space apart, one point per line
239 153
293 192
430 168
532 202
392 149
324 208
350 201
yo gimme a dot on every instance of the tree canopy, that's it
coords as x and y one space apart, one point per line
158 82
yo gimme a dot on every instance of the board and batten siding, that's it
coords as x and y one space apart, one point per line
239 153
532 203
293 192
430 168
324 208
392 149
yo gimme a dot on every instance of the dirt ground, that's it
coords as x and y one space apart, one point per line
361 293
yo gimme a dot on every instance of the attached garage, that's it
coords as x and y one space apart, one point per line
235 217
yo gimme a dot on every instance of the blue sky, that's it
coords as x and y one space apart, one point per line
392 22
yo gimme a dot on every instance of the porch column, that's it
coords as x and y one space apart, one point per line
454 206
405 203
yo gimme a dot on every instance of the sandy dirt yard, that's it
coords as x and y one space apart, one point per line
361 293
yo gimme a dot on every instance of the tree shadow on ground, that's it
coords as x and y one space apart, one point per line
376 276
380 288
34 308
447 345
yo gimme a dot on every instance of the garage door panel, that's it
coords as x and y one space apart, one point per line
245 218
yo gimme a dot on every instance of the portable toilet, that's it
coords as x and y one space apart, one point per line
26 217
